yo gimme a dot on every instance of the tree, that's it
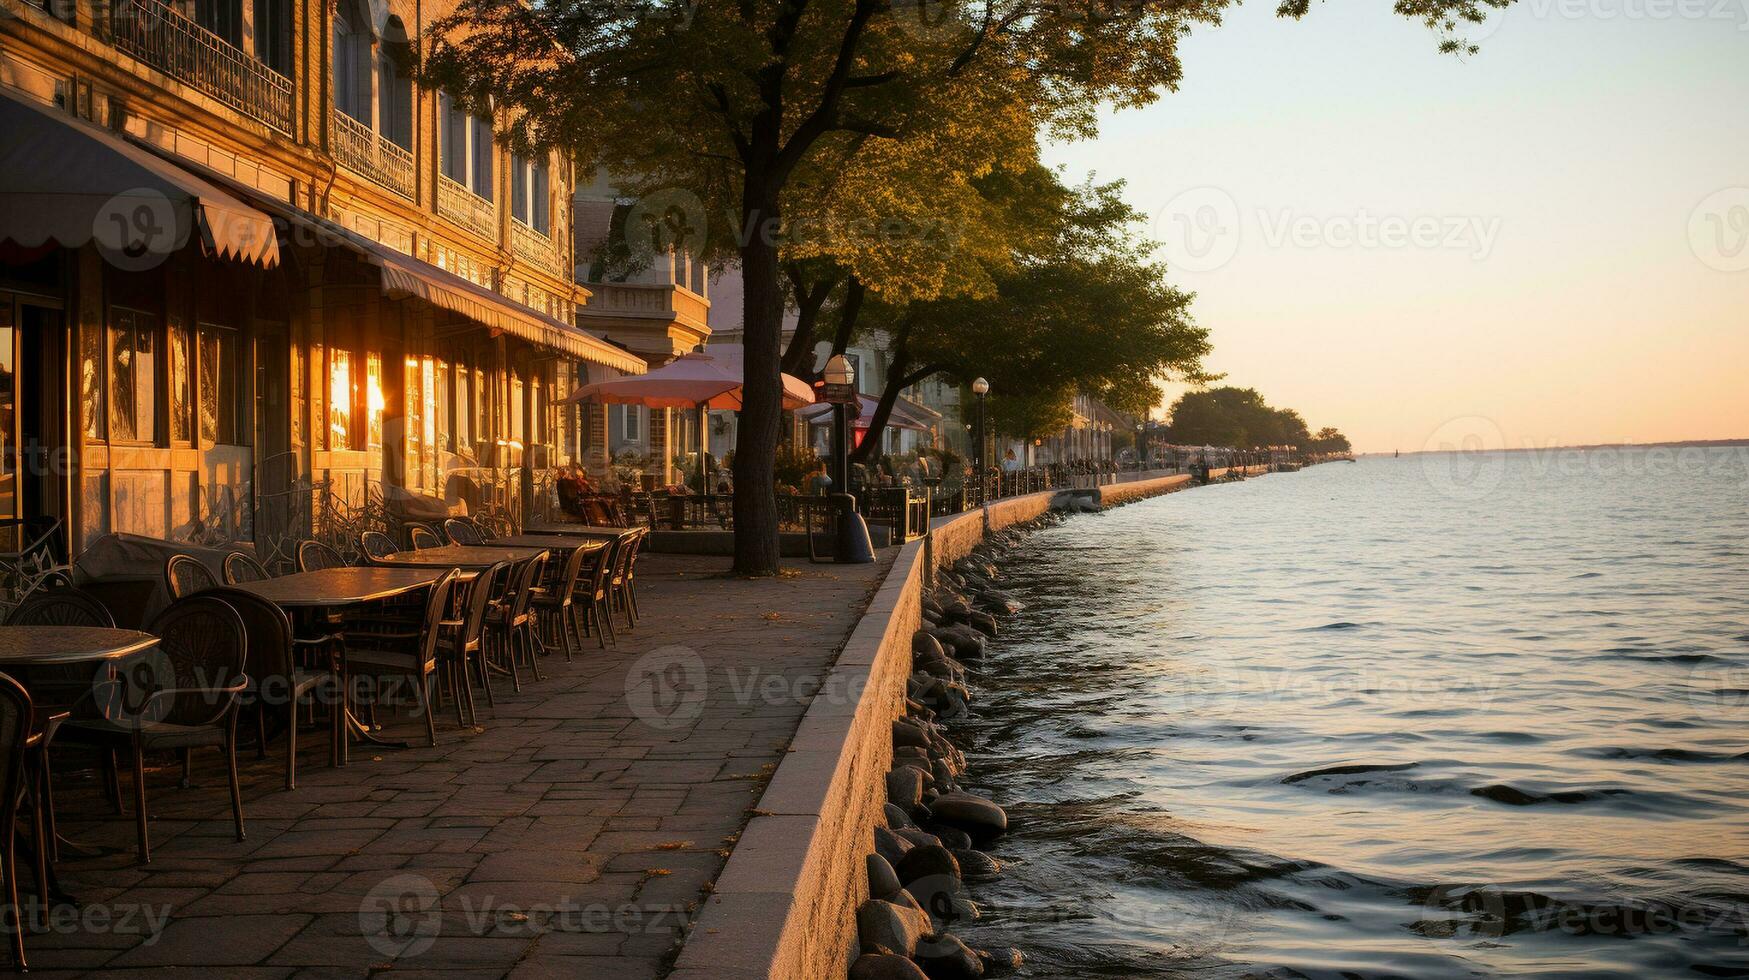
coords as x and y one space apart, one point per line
737 103
1329 440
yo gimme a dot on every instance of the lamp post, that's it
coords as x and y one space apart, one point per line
980 387
853 546
840 375
1141 447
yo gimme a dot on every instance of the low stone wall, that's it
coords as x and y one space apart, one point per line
784 907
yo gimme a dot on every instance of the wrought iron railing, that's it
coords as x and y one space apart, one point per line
158 35
465 208
368 152
533 247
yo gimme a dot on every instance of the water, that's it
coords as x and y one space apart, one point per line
1422 717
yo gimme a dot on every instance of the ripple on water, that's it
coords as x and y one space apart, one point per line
1336 724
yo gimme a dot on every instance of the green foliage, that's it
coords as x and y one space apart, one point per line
1237 417
795 465
1329 440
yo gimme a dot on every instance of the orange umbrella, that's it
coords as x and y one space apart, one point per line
711 379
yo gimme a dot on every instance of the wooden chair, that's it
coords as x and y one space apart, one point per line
184 575
594 595
420 537
240 568
461 647
461 530
314 556
201 639
411 655
376 544
276 682
622 589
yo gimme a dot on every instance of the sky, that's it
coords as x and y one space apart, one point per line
1545 243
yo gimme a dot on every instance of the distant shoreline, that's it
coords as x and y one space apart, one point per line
1688 444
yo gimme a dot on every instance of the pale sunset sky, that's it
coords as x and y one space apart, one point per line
1545 243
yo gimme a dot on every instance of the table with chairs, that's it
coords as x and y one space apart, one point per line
234 651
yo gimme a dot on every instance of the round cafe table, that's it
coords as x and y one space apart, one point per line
57 646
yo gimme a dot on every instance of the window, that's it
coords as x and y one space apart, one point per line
273 34
455 138
394 98
339 399
481 138
93 404
528 193
181 387
352 62
133 376
218 385
630 428
222 17
374 403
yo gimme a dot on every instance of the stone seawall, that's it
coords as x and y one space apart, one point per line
785 905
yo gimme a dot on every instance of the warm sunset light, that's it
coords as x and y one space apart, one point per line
874 490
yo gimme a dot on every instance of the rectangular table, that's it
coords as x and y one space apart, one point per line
347 586
555 542
467 557
569 531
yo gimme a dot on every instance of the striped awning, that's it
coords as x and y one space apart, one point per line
66 181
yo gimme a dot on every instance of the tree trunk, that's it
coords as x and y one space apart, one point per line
877 424
756 437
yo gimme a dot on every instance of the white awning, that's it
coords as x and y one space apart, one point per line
66 181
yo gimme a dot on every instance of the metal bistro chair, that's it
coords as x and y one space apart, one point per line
554 603
510 621
461 646
201 641
375 544
594 595
313 556
421 537
240 568
412 655
184 575
61 607
463 531
276 682
625 576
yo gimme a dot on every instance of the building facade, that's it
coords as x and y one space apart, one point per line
287 292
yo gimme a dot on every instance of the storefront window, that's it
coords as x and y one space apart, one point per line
415 422
133 377
181 384
374 398
92 402
218 385
339 399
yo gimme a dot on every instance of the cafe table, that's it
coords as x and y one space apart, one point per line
311 593
470 558
48 647
555 542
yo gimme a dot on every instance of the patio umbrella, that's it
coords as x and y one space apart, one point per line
708 380
905 414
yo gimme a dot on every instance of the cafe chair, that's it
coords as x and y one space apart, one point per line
240 568
624 592
15 751
510 622
411 655
201 641
376 544
463 531
184 575
461 644
276 682
553 603
595 593
421 537
61 607
313 556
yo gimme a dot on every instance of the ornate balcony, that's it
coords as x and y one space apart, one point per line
465 208
158 35
368 152
535 248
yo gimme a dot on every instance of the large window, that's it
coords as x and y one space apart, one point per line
352 62
273 34
467 146
218 385
394 97
181 386
133 376
528 193
339 399
222 17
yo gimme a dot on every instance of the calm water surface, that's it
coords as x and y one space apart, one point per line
1423 717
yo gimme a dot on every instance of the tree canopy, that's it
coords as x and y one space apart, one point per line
1240 418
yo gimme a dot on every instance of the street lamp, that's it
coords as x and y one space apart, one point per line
1141 448
980 387
840 375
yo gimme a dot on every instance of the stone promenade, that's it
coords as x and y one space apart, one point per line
572 834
